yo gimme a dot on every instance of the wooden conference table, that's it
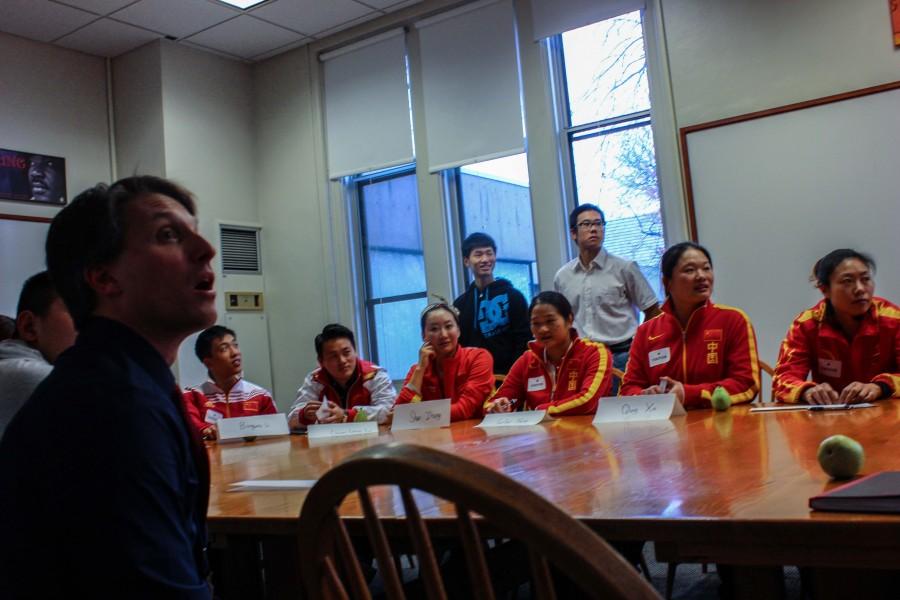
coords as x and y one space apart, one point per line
725 487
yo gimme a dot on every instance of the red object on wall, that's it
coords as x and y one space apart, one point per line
895 21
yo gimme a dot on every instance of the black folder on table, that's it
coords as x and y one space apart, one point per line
875 493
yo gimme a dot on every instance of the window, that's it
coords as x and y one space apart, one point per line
393 266
608 137
494 198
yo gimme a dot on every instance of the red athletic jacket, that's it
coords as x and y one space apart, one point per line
717 348
814 345
207 403
468 381
584 376
372 388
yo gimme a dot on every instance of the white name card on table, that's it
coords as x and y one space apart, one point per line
515 419
652 407
422 415
331 431
237 428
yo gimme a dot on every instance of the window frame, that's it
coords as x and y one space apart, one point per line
366 303
454 196
569 133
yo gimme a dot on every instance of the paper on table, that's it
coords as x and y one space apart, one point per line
515 419
272 484
650 407
422 415
812 407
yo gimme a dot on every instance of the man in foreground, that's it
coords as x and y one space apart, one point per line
103 486
226 393
43 329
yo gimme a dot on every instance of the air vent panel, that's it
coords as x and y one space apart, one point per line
240 250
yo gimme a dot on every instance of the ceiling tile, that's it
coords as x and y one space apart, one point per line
245 37
178 19
392 5
100 7
40 19
311 16
107 38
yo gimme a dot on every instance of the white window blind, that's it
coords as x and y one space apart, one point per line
551 17
470 76
367 113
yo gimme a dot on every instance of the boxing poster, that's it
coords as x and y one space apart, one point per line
32 177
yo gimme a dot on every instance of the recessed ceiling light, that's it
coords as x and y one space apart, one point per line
242 4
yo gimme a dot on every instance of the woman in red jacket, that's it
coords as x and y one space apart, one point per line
560 372
446 369
693 346
849 342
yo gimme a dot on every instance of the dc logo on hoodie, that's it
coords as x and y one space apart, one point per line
493 315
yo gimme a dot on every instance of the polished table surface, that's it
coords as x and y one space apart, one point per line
729 487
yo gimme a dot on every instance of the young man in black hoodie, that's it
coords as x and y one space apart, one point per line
492 313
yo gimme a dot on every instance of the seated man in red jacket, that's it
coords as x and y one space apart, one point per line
344 387
226 393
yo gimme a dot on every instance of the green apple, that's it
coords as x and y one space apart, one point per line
841 457
720 400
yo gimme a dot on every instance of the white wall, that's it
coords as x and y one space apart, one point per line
209 141
54 102
138 122
293 207
733 57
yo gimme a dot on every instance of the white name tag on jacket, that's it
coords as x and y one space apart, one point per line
422 415
212 416
324 431
659 357
652 407
515 419
830 368
537 384
238 428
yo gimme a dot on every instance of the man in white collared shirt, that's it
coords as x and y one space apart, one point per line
605 291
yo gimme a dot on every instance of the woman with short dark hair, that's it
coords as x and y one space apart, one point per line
560 372
849 342
694 345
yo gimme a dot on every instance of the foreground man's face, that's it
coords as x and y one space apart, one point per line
164 275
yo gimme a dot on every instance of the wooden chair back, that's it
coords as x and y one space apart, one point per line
481 496
764 367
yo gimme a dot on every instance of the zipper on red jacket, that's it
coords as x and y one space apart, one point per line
559 370
684 343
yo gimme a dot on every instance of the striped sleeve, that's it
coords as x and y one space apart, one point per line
407 395
891 314
596 381
793 366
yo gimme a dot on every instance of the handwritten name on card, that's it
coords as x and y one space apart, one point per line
422 415
342 430
515 419
258 426
652 407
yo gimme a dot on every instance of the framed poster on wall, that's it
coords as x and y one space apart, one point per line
30 177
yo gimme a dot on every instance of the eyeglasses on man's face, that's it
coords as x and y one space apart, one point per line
588 225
